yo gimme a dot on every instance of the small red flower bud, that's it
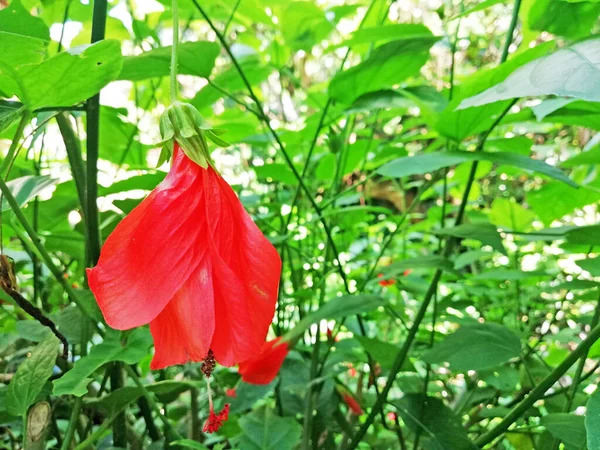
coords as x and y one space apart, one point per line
353 404
391 416
231 393
407 272
385 283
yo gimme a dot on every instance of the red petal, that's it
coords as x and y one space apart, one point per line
263 368
246 275
153 251
184 329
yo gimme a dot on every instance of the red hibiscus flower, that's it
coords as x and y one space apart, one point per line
384 282
190 261
352 403
263 368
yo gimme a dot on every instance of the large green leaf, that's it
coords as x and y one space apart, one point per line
195 58
388 65
571 72
592 421
335 308
70 77
438 425
430 162
569 428
475 347
16 19
572 20
303 24
511 214
458 124
487 233
17 50
263 430
75 381
8 114
587 235
591 265
26 188
31 377
555 200
386 33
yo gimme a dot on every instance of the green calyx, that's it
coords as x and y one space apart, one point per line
182 123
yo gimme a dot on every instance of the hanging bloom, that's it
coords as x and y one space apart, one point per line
263 368
352 403
385 282
190 261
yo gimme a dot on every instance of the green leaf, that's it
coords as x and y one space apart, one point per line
569 428
480 7
31 377
555 200
75 381
386 33
382 352
440 428
8 114
26 188
458 124
430 162
570 72
276 172
16 19
188 443
476 347
70 77
591 265
507 275
387 65
263 430
195 58
592 421
572 20
303 24
592 156
146 182
248 394
511 214
230 80
335 308
17 51
487 233
589 235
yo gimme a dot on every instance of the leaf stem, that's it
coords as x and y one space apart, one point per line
511 30
174 50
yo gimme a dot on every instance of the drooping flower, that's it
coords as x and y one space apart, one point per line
352 403
190 261
263 368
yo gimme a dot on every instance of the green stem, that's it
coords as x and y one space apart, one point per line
539 391
14 145
74 155
72 424
174 50
93 141
511 30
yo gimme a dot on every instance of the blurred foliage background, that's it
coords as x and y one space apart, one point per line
427 169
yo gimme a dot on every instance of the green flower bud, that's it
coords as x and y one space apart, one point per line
183 124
